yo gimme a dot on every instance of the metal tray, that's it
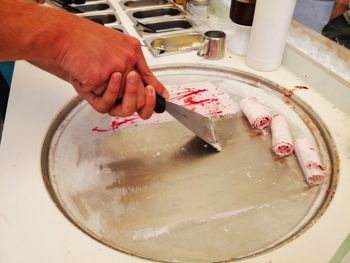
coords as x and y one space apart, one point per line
129 4
103 18
163 26
155 13
120 28
93 7
155 191
172 44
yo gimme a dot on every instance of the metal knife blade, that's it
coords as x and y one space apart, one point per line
199 124
202 126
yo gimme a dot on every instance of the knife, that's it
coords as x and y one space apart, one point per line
200 125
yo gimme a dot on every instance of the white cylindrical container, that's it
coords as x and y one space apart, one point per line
269 32
241 14
238 41
200 8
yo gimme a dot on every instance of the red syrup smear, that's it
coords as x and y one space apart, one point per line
190 101
96 129
215 112
187 95
116 125
189 92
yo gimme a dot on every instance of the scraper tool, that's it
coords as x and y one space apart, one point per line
199 124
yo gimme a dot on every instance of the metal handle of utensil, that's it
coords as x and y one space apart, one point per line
203 49
160 103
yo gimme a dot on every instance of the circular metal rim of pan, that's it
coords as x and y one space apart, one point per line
325 134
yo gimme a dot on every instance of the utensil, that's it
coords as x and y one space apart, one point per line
77 2
213 46
145 28
200 125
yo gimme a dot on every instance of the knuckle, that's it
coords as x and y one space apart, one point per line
101 109
132 58
128 110
94 80
136 44
131 90
145 116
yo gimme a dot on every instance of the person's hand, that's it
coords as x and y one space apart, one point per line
95 59
136 97
90 54
340 6
87 54
37 1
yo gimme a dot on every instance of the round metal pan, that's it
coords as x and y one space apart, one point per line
156 191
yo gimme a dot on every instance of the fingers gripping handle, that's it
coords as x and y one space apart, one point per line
160 103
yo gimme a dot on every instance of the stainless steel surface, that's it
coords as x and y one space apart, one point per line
214 45
157 192
93 7
162 26
103 17
171 44
89 6
128 4
155 13
200 2
202 126
120 28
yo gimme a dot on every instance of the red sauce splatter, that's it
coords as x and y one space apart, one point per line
190 101
215 112
187 98
116 125
188 93
96 129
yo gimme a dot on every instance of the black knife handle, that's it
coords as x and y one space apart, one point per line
160 103
77 2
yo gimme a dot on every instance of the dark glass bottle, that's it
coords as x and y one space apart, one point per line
242 11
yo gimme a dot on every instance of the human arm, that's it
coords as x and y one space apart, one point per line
340 6
79 51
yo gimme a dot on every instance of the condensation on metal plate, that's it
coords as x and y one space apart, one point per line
158 192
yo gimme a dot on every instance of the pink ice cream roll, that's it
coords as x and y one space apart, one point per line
282 143
310 162
257 116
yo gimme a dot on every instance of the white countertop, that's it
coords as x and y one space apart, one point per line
32 229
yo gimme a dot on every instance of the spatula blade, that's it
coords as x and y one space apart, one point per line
199 124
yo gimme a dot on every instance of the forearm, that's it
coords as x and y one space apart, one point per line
29 31
340 6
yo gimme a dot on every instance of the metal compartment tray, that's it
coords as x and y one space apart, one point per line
162 26
172 44
155 13
103 17
130 4
92 6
